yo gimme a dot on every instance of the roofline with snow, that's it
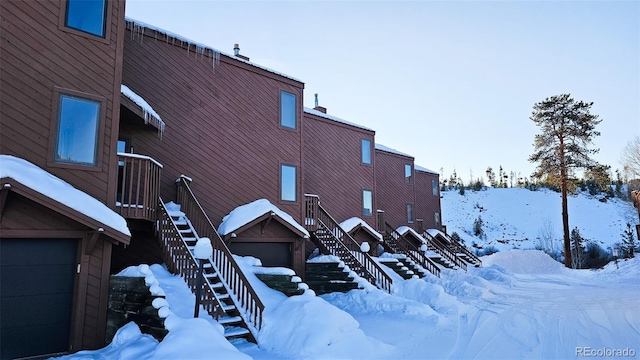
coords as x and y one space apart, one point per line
142 28
336 120
266 216
73 214
380 147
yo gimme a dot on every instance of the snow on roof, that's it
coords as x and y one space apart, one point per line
138 27
405 229
351 223
420 168
59 190
245 214
390 150
435 232
150 115
336 119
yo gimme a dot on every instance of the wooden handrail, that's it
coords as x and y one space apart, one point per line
345 247
404 246
138 184
444 251
181 261
243 295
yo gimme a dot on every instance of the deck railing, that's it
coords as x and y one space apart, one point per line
243 295
341 244
443 251
397 242
138 186
181 261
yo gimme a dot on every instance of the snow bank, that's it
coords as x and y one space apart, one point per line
524 262
59 190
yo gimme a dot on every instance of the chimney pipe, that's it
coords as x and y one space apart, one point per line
236 49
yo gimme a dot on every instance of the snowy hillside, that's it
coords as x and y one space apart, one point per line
520 305
515 217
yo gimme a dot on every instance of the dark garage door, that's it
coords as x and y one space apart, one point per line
270 254
36 294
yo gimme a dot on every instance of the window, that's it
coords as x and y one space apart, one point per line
366 151
408 173
435 187
88 16
436 220
410 213
367 203
77 132
288 183
287 110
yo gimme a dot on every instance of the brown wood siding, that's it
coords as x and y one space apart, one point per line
392 193
222 126
24 218
427 204
333 167
38 56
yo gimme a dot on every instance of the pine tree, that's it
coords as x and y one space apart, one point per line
477 227
567 129
628 242
578 253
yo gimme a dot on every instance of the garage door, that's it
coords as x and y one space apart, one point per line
270 254
36 294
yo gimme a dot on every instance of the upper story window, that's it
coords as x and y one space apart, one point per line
410 218
367 202
287 110
78 121
408 173
436 220
435 187
366 151
88 16
288 180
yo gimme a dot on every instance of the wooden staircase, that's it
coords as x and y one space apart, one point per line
444 241
398 267
396 243
444 256
328 277
331 239
227 295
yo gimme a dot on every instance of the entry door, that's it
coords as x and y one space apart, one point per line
36 295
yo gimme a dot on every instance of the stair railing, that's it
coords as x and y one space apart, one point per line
399 243
181 261
243 295
343 244
443 251
463 250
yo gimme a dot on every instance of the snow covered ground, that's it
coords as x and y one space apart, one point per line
521 304
515 217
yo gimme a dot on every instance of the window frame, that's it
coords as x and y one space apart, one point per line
435 189
411 216
62 20
408 179
55 124
436 220
362 147
295 111
364 214
295 183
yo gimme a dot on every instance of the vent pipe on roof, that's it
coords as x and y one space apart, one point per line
236 52
318 107
316 94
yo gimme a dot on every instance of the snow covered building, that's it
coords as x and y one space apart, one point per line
61 73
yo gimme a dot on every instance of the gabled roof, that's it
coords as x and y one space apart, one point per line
333 118
390 150
149 115
246 216
138 27
353 224
435 233
32 182
403 230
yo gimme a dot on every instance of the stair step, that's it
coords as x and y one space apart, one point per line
227 307
223 296
229 320
235 331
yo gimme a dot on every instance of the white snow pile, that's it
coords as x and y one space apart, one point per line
351 223
516 217
245 214
61 191
150 115
538 262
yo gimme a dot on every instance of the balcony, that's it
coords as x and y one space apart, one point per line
138 186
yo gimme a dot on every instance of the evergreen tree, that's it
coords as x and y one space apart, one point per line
491 176
477 227
461 188
628 242
578 253
567 129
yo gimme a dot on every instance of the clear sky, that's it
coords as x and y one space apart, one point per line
452 83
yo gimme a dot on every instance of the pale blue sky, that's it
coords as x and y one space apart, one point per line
451 83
